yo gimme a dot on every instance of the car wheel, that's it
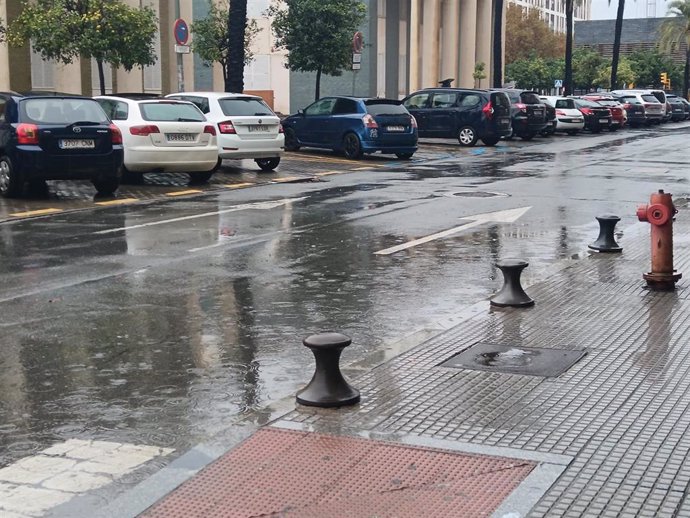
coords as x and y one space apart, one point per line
11 184
268 164
490 141
352 147
291 141
596 130
107 186
131 177
527 136
199 178
613 128
38 188
404 156
572 133
467 136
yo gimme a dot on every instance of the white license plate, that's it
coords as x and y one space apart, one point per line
180 137
396 128
603 121
537 112
258 128
77 143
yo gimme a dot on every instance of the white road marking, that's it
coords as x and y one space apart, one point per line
262 205
501 216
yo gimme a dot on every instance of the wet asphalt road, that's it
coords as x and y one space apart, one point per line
161 321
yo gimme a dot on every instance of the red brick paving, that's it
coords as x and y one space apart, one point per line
283 473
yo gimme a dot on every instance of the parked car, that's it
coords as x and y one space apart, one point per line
163 136
634 109
247 127
57 138
677 107
568 118
551 121
596 116
618 114
686 106
353 125
648 97
527 112
465 114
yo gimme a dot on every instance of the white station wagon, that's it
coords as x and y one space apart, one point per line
163 135
247 127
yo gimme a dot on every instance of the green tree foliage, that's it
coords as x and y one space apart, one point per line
479 73
317 34
676 31
2 31
535 73
647 65
211 41
625 74
586 65
525 25
106 30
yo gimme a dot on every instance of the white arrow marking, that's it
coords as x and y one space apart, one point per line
501 216
262 205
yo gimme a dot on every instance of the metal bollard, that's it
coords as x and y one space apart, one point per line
511 294
606 242
327 387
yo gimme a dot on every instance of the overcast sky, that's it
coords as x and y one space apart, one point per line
601 10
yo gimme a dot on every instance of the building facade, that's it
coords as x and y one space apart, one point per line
553 11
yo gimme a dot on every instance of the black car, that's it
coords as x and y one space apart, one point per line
465 114
551 122
677 107
528 113
596 116
47 137
634 110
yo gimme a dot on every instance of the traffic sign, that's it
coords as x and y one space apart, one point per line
558 83
357 42
182 49
181 31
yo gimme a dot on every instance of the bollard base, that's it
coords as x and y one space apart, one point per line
309 398
661 281
605 248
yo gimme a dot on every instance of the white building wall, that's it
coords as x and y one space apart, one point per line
553 11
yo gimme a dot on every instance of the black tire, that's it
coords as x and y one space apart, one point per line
613 128
11 183
404 156
596 130
291 141
38 188
132 177
467 136
528 136
490 141
199 178
268 164
106 186
352 147
572 133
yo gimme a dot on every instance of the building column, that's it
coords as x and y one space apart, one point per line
4 55
431 27
414 44
468 42
451 39
484 39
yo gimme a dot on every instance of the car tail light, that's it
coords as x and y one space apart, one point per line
586 111
627 106
413 121
488 110
281 129
560 113
27 134
210 129
115 134
369 122
227 128
521 106
144 131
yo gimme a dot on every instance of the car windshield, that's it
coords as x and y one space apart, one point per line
529 98
565 104
587 104
244 106
61 111
385 108
607 102
171 111
630 99
649 98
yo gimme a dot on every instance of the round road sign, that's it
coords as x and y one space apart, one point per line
181 31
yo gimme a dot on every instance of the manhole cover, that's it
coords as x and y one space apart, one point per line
528 361
477 194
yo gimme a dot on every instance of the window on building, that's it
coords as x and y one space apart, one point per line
152 73
42 72
257 75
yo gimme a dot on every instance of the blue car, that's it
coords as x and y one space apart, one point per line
354 126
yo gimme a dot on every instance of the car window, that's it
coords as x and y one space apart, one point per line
417 101
607 102
345 106
3 103
444 99
469 100
629 99
200 102
244 107
385 108
649 98
115 110
565 104
170 111
322 107
529 98
500 99
514 97
61 111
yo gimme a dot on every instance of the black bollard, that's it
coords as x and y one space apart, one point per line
606 242
511 294
327 387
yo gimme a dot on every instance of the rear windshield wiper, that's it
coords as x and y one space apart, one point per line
85 123
183 119
262 115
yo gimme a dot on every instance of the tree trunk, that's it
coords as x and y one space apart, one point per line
317 95
498 45
617 44
101 75
568 80
686 74
237 24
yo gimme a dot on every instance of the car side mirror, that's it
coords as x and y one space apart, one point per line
300 112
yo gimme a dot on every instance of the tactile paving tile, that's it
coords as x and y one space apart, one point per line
288 473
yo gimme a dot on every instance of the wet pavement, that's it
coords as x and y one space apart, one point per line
164 321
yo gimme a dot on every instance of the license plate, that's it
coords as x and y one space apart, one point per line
537 112
504 122
395 128
77 143
258 128
603 121
180 137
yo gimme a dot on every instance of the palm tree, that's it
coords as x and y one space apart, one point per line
498 44
568 79
676 31
237 25
617 43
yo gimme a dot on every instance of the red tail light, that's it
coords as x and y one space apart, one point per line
227 128
627 106
522 107
281 129
488 110
413 121
560 113
27 134
210 129
115 134
586 111
369 122
144 131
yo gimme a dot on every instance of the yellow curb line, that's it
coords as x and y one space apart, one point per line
238 185
328 173
182 193
39 212
117 202
287 179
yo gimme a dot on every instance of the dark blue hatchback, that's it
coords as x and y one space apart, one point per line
354 126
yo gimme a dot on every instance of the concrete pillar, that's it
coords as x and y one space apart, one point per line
168 58
451 40
468 41
18 58
186 13
484 39
392 50
68 78
4 54
415 20
431 27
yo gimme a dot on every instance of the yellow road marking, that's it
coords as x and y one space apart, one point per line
362 168
117 202
182 193
39 212
328 173
287 179
238 185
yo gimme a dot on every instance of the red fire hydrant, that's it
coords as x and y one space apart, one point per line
659 213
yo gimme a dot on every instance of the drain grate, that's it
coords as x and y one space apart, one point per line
528 361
